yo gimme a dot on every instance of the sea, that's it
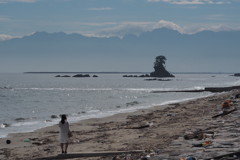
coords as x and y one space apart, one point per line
30 101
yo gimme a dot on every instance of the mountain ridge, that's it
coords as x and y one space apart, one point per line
134 53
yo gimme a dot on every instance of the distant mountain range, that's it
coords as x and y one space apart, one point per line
203 51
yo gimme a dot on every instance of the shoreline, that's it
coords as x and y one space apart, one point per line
125 110
132 109
119 132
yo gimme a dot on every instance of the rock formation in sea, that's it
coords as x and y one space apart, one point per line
237 75
81 75
159 68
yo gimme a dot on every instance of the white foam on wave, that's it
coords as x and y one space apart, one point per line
236 83
23 127
93 111
111 89
198 88
3 125
101 114
19 124
162 89
67 89
137 89
147 89
195 88
3 135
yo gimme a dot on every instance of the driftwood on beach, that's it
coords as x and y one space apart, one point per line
198 135
90 154
139 127
224 113
234 154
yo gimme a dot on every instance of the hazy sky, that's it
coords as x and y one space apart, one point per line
115 17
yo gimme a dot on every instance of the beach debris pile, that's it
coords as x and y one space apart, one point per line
219 141
216 140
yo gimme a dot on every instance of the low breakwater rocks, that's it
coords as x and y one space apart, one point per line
77 76
237 75
148 76
134 76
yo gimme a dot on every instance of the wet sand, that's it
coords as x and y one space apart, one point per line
158 130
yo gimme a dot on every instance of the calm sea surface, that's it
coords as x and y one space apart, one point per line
27 101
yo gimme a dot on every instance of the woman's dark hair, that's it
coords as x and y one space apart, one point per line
63 118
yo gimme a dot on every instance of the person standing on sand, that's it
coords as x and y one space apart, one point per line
64 133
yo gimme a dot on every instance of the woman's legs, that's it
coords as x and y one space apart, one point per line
61 144
66 147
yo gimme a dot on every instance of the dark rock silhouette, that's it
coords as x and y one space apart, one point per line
159 67
5 88
132 103
62 76
156 79
54 116
77 75
20 119
66 76
4 125
237 75
81 75
143 75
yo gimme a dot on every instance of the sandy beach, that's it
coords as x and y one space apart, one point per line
159 131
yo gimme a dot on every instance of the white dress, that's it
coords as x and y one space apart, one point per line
64 129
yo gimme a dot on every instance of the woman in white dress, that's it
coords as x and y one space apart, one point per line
63 133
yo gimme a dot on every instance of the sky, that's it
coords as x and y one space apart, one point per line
115 17
106 18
